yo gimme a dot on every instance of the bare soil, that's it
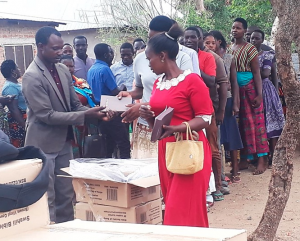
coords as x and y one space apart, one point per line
243 208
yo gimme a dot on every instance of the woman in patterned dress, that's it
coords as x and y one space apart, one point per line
86 98
251 116
274 116
4 101
17 108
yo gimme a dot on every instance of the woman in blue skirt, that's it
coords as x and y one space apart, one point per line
230 135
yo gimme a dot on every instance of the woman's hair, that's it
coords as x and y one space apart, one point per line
167 42
261 32
242 21
160 23
207 34
7 67
218 36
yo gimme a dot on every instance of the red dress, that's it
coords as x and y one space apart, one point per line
184 195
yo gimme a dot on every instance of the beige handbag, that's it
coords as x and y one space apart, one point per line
185 156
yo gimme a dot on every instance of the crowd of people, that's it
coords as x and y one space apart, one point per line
227 93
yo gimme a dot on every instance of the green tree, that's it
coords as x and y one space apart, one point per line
219 14
256 12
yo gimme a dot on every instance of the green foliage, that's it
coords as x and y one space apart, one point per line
256 12
220 14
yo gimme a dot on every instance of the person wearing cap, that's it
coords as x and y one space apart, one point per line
145 78
53 107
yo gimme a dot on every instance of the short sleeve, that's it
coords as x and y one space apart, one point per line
210 66
195 62
110 81
221 75
198 95
252 52
185 62
136 70
114 69
11 90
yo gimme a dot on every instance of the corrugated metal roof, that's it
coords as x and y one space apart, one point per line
52 23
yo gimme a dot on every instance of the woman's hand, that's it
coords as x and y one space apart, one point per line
169 131
257 101
235 110
145 112
132 113
123 94
220 116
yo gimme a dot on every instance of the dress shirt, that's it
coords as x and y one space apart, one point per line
101 80
123 74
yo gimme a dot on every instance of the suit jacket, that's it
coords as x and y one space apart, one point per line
48 116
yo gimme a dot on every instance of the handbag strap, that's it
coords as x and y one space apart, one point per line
194 136
190 135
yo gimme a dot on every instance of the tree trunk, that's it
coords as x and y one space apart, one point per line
297 42
282 171
200 6
274 30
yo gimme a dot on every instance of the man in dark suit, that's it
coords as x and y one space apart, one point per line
53 107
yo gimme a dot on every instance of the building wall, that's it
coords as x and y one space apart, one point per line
93 38
15 33
91 35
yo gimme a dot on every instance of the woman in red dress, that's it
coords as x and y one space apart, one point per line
184 195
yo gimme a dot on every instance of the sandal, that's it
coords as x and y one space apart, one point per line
238 173
225 190
218 196
235 179
209 204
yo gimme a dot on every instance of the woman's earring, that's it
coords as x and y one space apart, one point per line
162 61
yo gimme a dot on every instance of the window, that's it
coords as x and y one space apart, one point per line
21 54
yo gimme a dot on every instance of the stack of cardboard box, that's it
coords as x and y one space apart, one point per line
27 218
138 201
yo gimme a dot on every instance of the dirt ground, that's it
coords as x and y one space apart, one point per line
243 208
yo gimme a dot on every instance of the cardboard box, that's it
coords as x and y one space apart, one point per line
83 230
149 213
116 194
27 218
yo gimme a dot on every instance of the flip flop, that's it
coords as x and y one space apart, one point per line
236 179
218 196
225 190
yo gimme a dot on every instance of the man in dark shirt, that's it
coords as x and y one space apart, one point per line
102 82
